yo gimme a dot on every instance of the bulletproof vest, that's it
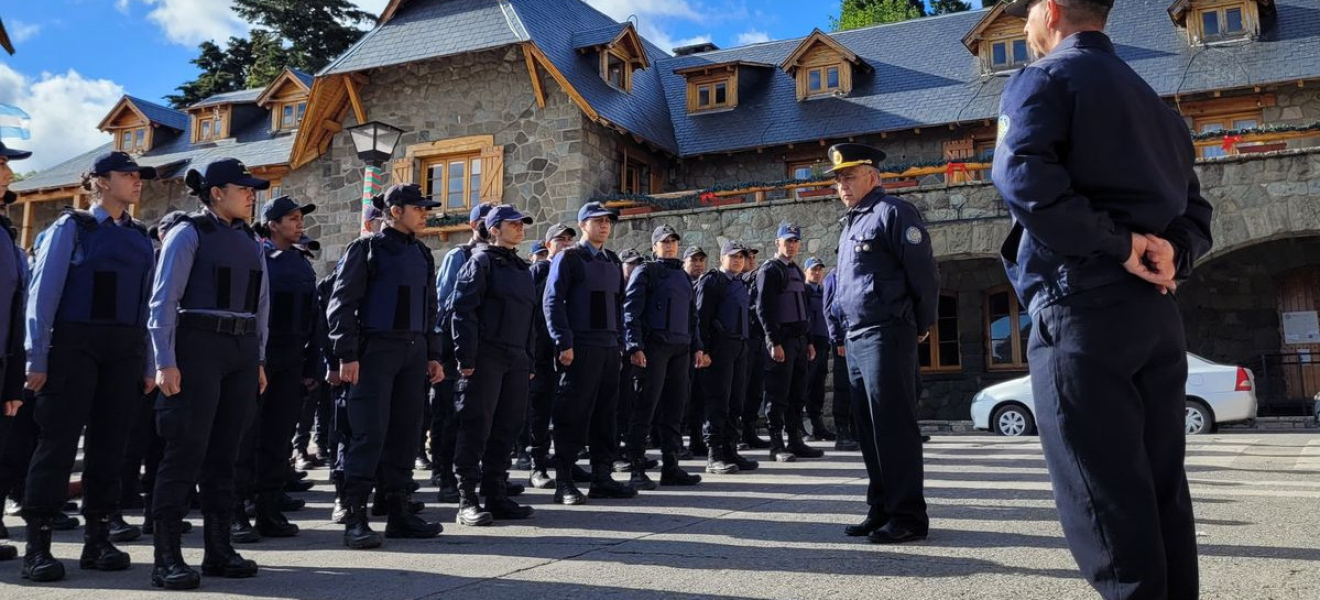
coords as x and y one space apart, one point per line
506 311
292 293
593 304
396 288
107 274
790 305
732 312
669 299
226 271
12 290
816 309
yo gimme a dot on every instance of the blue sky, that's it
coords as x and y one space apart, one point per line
77 57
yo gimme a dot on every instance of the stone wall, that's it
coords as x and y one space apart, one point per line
554 158
1293 106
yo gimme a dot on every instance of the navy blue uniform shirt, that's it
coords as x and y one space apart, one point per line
494 303
887 273
1089 154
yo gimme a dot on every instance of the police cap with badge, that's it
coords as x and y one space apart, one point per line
847 156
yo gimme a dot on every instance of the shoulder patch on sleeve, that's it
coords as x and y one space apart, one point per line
1004 124
913 235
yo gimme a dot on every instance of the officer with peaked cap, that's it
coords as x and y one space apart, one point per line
88 360
1097 171
540 402
493 309
888 289
382 325
585 320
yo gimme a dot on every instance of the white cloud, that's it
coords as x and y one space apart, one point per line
374 7
22 32
65 110
752 37
191 22
652 16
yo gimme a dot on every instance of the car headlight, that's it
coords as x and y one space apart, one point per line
979 398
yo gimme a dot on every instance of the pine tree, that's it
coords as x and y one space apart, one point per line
269 57
854 14
222 71
944 7
317 31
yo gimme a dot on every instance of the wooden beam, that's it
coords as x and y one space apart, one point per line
27 224
568 88
535 76
331 126
353 98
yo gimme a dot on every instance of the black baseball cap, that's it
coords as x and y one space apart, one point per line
274 210
559 229
596 209
505 212
479 212
12 153
693 251
630 256
230 171
120 162
538 247
733 247
663 233
1019 8
408 195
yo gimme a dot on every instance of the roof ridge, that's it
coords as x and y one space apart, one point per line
137 99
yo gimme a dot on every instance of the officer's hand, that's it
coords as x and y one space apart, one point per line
639 359
435 372
566 357
705 360
922 338
261 379
168 380
699 360
1136 264
36 381
11 407
1160 258
811 352
777 353
148 384
466 372
348 372
332 378
840 351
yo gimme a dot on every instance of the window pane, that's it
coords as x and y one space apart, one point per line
141 140
923 354
1233 20
999 54
287 120
1208 127
1210 23
1245 124
1213 151
832 80
721 94
435 178
801 172
454 194
302 110
949 354
813 80
615 71
474 183
703 96
1019 51
206 129
126 140
215 127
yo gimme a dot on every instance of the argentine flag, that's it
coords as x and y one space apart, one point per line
14 122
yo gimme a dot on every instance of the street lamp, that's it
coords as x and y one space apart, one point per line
374 142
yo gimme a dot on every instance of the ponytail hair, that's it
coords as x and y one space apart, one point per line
88 183
198 187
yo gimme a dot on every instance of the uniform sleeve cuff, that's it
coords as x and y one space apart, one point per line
1119 246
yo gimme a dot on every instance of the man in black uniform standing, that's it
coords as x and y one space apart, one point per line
888 287
782 311
1096 170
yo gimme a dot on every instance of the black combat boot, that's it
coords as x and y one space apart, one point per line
638 480
98 553
777 451
170 571
448 487
38 563
819 431
220 559
744 464
719 462
800 448
672 474
121 531
357 533
402 523
501 507
241 531
270 522
604 486
566 492
753 441
469 508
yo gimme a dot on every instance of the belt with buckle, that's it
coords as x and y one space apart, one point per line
219 323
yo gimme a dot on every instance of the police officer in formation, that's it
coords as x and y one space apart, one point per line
1096 170
382 326
888 289
292 357
819 338
750 411
584 316
87 352
660 332
545 380
494 305
841 405
723 322
694 414
782 310
13 300
209 314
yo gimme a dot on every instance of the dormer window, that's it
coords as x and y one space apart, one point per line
998 42
714 86
286 99
291 115
1218 21
133 124
132 141
823 67
210 128
1009 54
210 123
621 52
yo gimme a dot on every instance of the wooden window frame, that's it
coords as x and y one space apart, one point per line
1194 20
804 80
1221 12
408 168
1008 42
213 124
695 85
1225 120
932 343
626 64
132 132
446 160
1019 345
280 124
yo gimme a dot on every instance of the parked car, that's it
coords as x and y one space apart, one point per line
1216 395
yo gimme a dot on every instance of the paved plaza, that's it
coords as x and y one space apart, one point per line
777 533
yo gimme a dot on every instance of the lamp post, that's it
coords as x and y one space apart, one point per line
374 142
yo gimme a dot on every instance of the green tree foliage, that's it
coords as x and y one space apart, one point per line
944 7
223 70
317 31
854 14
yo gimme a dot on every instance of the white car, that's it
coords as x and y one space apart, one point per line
1216 395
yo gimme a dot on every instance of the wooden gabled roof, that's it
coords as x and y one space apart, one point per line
817 36
286 79
973 38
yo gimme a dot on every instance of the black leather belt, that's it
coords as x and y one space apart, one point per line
219 324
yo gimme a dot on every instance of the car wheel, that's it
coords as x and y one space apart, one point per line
1013 421
1198 420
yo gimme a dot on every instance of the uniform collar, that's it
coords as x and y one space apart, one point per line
234 224
1087 39
395 234
595 252
102 215
868 201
